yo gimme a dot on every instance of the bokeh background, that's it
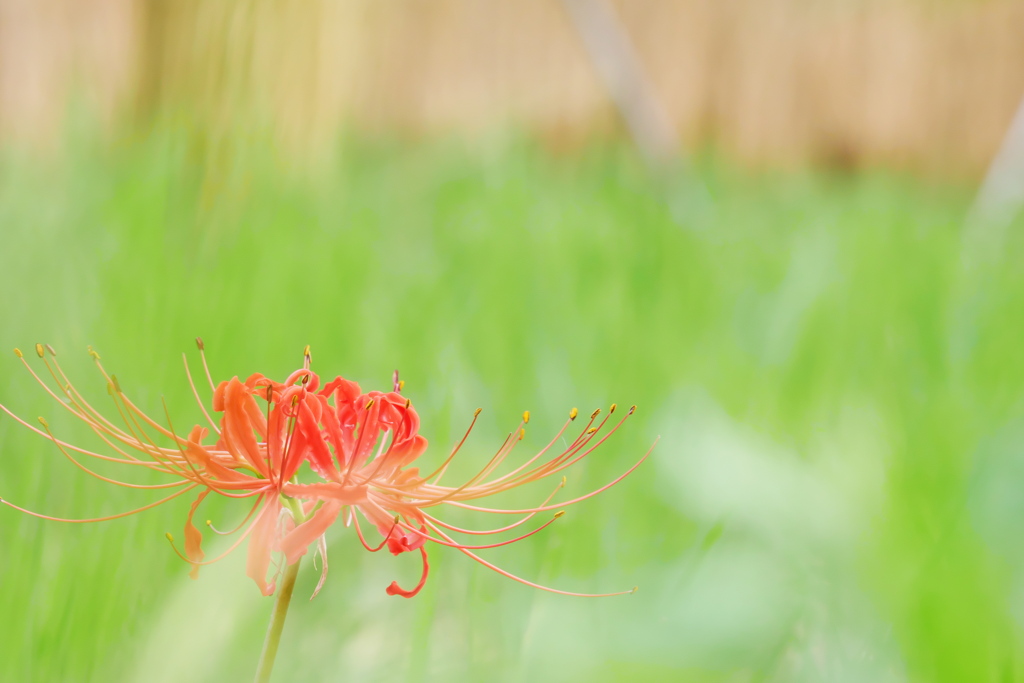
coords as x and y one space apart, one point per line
786 229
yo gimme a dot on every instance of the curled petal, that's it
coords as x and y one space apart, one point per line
343 390
395 589
197 434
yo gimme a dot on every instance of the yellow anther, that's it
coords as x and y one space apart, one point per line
632 409
369 404
595 413
612 409
42 421
199 343
209 523
526 417
635 589
305 351
92 352
408 402
476 413
117 385
18 353
39 350
522 433
559 514
401 384
573 413
169 537
591 430
563 480
50 349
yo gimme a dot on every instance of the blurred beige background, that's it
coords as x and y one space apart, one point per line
923 84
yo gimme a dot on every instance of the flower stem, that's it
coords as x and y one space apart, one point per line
284 598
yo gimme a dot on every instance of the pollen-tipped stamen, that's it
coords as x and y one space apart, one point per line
206 368
195 393
444 466
563 504
217 531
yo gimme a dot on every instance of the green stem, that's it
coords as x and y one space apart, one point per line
284 598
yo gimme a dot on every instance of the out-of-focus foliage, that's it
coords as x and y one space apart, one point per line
928 85
837 490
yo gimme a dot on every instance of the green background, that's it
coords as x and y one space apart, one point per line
832 364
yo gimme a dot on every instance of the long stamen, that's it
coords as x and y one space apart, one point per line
138 442
359 440
234 546
195 392
85 469
505 449
206 368
76 449
293 422
103 427
563 461
488 532
444 466
453 544
538 455
83 410
99 423
567 503
99 519
117 433
184 456
531 583
240 525
362 539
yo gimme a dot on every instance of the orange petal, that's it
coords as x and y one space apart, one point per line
193 537
295 544
261 544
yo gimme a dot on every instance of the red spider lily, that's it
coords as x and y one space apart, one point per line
359 445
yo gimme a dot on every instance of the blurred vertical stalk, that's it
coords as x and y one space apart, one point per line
1001 194
618 66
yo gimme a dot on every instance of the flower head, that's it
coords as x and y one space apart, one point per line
360 450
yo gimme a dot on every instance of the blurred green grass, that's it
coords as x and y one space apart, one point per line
835 495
